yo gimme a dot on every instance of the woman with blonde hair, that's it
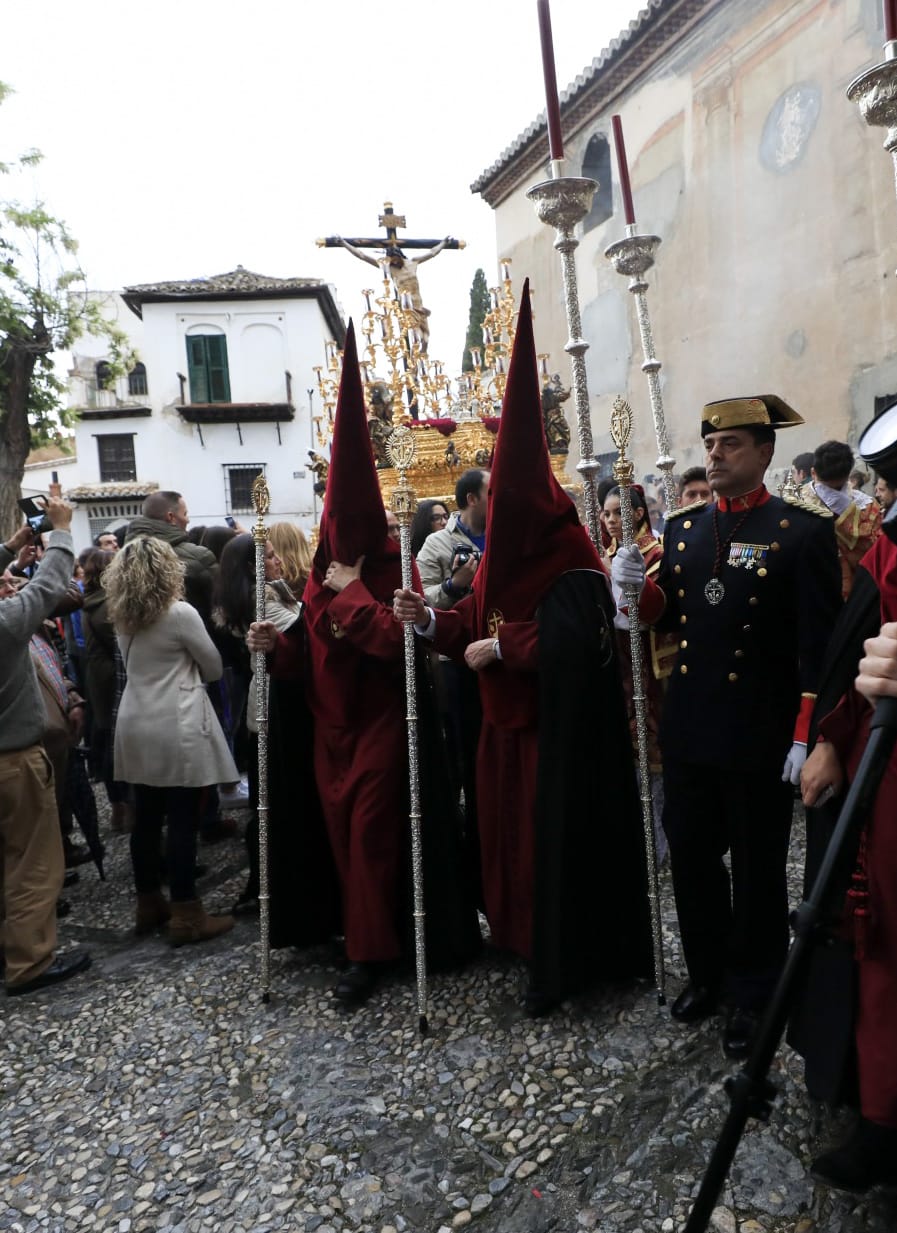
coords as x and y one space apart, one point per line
295 555
168 742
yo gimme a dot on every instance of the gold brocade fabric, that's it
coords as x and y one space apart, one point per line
855 531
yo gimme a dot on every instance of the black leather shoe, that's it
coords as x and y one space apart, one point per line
62 967
867 1159
356 984
695 1002
71 877
76 854
738 1034
537 1004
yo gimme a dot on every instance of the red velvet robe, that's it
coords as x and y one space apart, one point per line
507 760
358 700
847 727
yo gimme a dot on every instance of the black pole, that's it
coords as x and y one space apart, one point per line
750 1091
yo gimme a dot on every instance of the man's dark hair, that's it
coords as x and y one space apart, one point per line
833 462
158 504
691 475
803 462
469 483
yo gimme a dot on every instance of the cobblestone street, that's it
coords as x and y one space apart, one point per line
157 1092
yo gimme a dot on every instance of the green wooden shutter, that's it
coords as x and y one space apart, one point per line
219 380
197 368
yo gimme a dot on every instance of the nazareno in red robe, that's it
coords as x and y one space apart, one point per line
847 727
535 544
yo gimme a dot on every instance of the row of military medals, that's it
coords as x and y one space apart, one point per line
741 556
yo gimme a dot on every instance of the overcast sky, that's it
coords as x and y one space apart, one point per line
184 138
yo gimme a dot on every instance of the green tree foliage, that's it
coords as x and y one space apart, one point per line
44 307
479 306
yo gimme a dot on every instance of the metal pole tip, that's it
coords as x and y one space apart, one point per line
266 998
661 999
422 1026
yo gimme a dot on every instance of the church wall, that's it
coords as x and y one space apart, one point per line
776 208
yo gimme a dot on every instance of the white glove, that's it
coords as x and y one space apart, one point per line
794 763
628 567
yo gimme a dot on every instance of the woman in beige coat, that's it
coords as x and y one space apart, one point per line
168 741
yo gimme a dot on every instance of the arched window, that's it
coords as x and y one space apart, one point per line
596 166
104 375
137 386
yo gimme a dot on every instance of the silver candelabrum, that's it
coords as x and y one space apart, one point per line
632 257
875 92
562 203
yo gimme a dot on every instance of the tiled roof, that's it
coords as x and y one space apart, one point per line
238 284
111 492
650 34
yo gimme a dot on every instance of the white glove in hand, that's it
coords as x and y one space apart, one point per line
794 763
628 567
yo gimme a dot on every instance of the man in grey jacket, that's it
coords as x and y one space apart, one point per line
448 559
30 841
165 516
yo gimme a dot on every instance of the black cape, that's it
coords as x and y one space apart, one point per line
451 926
591 918
821 1028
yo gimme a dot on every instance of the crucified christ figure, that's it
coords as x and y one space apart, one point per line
403 272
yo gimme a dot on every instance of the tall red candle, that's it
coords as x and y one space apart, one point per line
890 20
552 107
623 166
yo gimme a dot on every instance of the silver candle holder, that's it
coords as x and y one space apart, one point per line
562 203
875 93
632 257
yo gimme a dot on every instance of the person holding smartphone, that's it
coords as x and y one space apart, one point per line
30 841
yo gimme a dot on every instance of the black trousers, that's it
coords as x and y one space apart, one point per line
734 929
152 807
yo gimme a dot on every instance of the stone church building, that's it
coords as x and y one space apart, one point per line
774 201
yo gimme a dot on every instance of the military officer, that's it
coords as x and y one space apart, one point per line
752 585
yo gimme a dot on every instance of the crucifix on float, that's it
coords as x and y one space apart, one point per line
402 269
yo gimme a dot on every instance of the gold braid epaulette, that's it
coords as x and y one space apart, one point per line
685 509
820 510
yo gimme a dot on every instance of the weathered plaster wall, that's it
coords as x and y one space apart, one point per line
777 212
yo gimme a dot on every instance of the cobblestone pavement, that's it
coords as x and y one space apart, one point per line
157 1093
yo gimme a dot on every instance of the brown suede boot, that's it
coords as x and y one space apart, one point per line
191 923
152 912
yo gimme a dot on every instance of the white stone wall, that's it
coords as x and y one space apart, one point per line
265 339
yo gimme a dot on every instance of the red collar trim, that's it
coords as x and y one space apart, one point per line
737 505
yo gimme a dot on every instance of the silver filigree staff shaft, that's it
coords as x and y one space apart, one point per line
261 499
562 203
633 257
620 429
404 505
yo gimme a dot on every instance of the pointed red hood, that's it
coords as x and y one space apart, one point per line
353 522
533 532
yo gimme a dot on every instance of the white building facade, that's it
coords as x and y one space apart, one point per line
223 390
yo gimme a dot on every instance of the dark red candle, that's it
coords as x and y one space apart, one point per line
890 20
623 166
555 140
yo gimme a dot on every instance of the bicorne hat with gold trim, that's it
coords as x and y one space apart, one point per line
761 411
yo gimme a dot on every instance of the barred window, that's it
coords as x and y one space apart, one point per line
238 481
